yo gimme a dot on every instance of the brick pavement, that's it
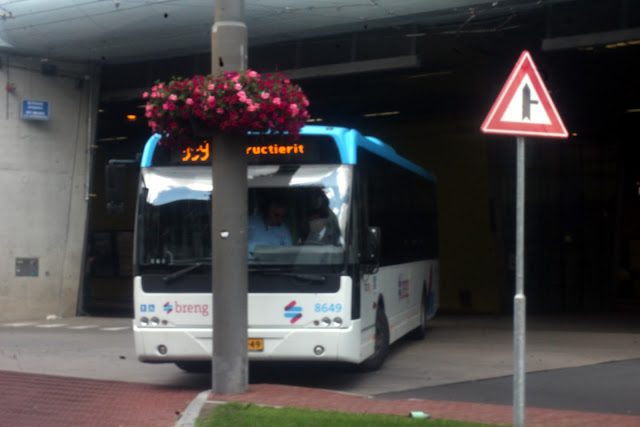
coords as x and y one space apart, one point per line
52 401
33 399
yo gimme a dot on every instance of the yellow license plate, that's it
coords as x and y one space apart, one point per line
256 344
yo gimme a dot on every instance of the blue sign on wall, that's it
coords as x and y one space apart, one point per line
35 110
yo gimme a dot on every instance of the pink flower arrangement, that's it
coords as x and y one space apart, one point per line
235 102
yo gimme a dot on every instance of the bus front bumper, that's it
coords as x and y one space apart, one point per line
167 345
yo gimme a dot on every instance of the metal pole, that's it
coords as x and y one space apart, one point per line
230 368
519 301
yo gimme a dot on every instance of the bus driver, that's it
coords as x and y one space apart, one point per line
269 228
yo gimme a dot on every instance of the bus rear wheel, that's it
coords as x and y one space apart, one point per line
381 349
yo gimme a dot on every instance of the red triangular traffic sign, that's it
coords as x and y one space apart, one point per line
524 106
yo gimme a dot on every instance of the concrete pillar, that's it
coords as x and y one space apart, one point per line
44 174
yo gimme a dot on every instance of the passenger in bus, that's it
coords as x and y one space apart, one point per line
269 228
323 228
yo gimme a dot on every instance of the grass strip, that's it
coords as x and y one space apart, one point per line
234 414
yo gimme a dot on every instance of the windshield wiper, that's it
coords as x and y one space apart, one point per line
177 274
298 276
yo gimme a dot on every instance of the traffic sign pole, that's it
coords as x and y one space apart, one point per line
523 107
519 301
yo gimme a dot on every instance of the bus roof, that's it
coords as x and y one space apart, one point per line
347 140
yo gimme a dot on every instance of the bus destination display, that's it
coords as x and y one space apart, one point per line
307 150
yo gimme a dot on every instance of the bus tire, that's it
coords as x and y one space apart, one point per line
421 331
196 367
381 349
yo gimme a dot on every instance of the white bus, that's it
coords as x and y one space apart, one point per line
371 281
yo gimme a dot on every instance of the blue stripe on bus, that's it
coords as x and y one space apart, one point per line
149 148
340 136
386 152
348 140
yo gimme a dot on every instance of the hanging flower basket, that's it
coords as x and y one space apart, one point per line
233 102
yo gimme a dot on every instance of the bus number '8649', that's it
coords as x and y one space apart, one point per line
326 308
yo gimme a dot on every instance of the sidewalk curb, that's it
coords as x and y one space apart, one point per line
189 416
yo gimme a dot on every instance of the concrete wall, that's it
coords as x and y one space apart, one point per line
43 184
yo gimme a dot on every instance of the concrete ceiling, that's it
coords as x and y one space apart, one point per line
121 31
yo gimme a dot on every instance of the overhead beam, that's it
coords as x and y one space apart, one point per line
394 63
592 39
382 64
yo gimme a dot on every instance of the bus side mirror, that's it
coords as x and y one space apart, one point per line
115 176
372 249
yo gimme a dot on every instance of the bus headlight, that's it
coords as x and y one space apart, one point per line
337 321
144 321
155 321
318 350
326 321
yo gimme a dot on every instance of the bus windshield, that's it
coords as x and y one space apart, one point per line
297 216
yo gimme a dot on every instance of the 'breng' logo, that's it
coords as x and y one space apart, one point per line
168 307
202 309
293 312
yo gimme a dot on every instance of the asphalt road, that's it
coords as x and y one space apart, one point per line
573 362
610 387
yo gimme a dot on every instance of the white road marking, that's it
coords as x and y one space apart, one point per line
18 324
66 326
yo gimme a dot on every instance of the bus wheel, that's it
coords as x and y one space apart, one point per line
198 367
381 349
420 332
